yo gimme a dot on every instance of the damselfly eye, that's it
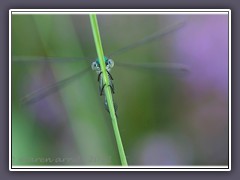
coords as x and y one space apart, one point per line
94 66
110 63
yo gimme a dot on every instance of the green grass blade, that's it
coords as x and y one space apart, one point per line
107 90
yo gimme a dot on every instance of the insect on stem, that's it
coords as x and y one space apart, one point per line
107 88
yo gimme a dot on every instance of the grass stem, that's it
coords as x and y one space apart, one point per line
107 90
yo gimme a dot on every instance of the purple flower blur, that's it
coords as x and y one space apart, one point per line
203 45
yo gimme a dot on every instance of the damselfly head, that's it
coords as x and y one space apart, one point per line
108 62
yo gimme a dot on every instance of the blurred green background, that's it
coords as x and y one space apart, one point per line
164 119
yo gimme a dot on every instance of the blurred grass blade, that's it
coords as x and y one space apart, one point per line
107 90
45 91
150 38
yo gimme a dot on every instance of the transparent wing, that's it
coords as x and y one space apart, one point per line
143 41
157 67
38 59
44 92
150 38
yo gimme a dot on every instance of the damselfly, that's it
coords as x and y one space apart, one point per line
43 92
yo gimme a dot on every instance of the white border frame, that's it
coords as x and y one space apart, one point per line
120 11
